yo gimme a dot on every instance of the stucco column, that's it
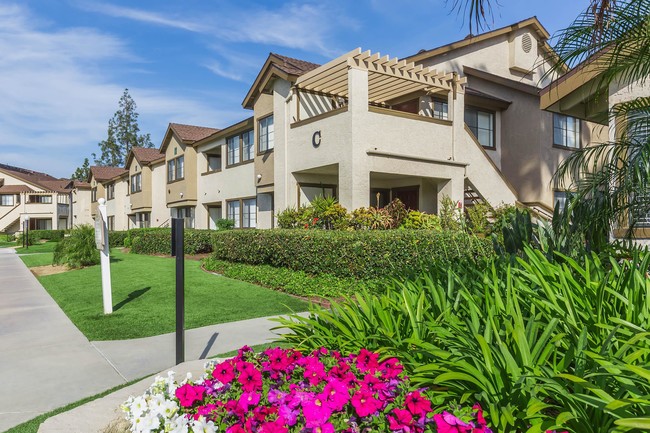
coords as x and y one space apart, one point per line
283 107
457 116
453 188
354 175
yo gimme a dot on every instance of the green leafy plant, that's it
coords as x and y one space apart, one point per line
478 216
225 224
78 249
450 214
416 220
397 212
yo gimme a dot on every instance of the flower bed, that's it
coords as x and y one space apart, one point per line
282 390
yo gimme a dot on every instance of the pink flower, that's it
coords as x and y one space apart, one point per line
448 423
188 394
367 361
277 426
224 372
237 428
316 412
248 399
314 371
417 404
403 420
391 368
250 378
324 428
365 403
336 394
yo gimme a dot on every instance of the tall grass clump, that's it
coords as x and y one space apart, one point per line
542 344
77 249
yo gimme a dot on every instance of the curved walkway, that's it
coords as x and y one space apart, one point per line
46 362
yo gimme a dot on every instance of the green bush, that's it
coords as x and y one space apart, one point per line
78 249
117 239
416 220
225 224
540 344
286 280
158 241
359 254
31 238
50 235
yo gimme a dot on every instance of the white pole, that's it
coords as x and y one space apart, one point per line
105 259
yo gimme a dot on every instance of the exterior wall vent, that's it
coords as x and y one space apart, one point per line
523 52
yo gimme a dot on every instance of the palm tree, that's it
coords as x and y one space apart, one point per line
611 180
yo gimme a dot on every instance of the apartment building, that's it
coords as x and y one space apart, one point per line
461 120
582 94
44 201
146 205
111 183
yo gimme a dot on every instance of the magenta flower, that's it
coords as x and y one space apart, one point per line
188 394
417 404
367 361
314 371
250 378
224 372
325 428
448 423
365 403
237 428
316 412
403 420
336 395
248 399
277 426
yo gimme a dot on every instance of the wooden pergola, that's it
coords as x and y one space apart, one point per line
388 78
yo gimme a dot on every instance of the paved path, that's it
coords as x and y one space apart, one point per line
46 362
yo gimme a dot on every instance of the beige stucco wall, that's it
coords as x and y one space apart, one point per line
81 207
183 192
159 213
140 201
264 163
119 206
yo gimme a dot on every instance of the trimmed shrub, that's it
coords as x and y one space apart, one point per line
421 221
117 239
366 254
78 249
286 280
225 224
158 241
50 235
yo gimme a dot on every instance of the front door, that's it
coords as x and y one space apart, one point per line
410 196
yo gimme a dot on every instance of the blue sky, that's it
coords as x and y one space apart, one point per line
65 63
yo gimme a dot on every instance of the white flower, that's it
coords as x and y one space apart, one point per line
178 425
138 406
200 426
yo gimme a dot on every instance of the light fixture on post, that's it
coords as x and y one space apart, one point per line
259 177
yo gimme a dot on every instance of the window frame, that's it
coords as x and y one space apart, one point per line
493 113
110 191
136 183
239 149
261 151
174 166
13 199
565 133
444 114
239 218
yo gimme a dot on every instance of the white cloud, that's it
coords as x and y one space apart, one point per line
58 93
219 70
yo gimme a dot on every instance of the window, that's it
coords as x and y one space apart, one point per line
243 212
187 213
248 145
110 191
249 213
93 195
143 219
171 170
559 200
233 150
233 212
440 109
7 200
481 123
136 183
44 199
40 224
241 147
566 131
110 223
266 134
214 162
176 169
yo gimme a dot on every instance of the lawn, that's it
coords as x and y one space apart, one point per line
46 247
37 259
144 298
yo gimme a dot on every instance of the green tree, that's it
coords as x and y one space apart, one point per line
123 134
82 172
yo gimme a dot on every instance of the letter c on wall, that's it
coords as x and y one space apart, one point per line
315 139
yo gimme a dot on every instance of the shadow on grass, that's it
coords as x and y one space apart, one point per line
115 259
131 297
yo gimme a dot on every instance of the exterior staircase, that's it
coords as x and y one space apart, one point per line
10 218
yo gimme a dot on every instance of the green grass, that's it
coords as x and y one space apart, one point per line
46 247
4 243
144 298
37 259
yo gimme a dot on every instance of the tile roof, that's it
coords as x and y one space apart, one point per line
101 173
191 133
14 189
294 66
147 154
79 184
41 180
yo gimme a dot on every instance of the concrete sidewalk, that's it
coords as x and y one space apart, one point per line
46 362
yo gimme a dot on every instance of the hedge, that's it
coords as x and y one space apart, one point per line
50 235
297 283
158 241
364 254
